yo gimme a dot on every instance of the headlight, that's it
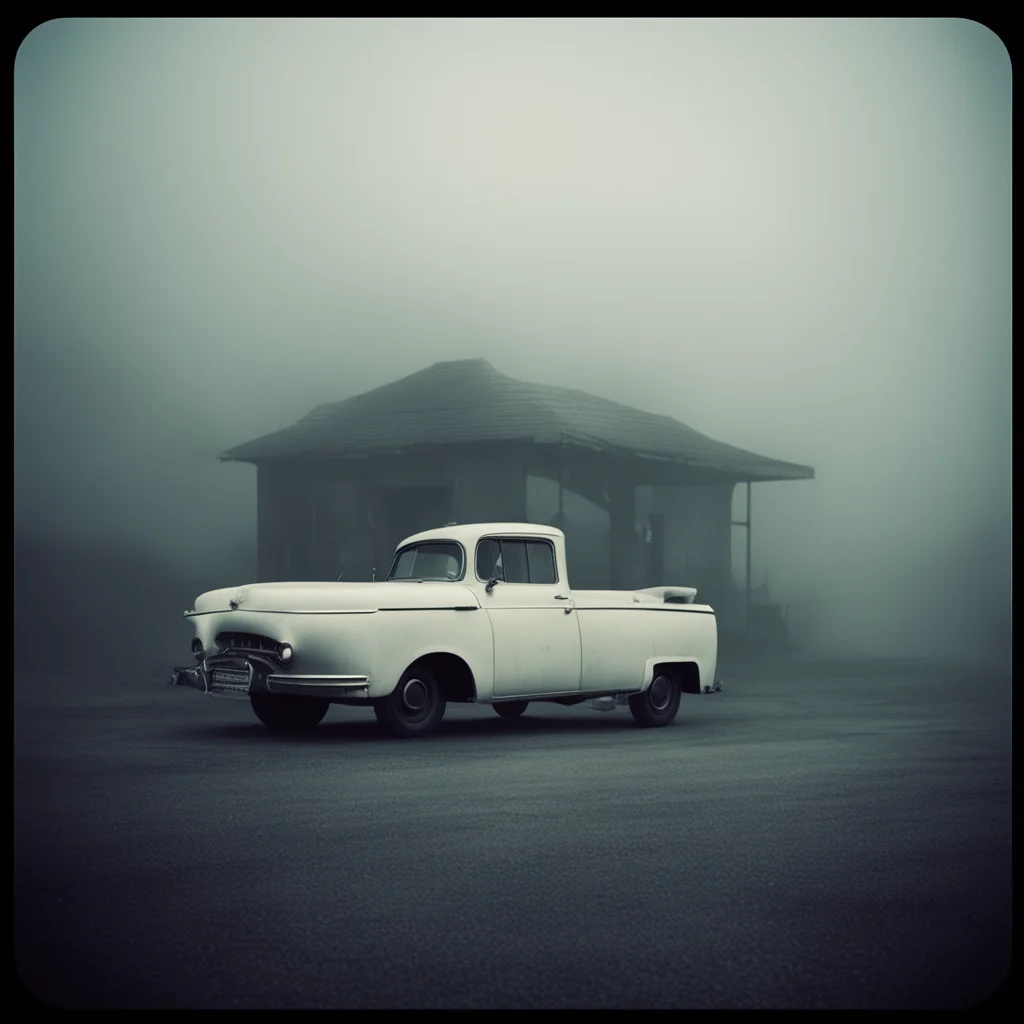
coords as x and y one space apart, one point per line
197 646
286 652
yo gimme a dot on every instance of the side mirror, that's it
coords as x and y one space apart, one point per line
491 584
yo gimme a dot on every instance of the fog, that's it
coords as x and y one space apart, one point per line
792 235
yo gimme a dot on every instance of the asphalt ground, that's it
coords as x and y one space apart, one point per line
816 836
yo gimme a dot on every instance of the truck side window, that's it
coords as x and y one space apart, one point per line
513 559
488 558
540 558
516 561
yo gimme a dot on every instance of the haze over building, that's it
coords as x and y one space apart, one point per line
791 235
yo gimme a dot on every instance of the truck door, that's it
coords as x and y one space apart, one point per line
536 636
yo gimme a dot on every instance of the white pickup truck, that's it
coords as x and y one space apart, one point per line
479 613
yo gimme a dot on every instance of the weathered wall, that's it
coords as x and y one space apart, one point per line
490 488
697 538
349 543
317 518
586 527
283 516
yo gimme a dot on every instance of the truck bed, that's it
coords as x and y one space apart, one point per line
630 598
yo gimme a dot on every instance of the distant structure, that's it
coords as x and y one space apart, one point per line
643 499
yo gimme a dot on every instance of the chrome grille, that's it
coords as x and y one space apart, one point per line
248 642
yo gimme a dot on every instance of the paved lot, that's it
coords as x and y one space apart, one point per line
828 836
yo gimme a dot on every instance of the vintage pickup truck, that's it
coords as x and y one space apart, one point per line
479 613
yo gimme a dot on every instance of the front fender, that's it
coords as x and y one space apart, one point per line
404 637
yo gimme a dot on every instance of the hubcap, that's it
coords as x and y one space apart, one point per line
414 694
661 693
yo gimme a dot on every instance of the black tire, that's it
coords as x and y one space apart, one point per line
511 708
415 707
288 714
658 704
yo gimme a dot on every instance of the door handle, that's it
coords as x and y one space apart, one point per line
561 597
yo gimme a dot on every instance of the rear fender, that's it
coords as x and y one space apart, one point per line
689 672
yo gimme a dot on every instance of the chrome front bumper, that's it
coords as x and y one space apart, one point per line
238 678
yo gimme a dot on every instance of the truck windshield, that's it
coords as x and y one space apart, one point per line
431 560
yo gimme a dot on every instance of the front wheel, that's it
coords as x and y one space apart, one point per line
658 704
414 708
285 713
510 708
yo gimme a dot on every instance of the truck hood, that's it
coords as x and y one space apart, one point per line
339 597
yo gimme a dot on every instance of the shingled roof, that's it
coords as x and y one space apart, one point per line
469 401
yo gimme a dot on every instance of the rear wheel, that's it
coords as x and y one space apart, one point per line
511 708
658 704
285 713
414 708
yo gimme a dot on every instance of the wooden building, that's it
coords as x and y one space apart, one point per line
643 499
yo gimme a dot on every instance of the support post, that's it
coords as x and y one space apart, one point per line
561 459
749 616
313 570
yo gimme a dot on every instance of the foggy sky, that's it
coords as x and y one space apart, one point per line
793 235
